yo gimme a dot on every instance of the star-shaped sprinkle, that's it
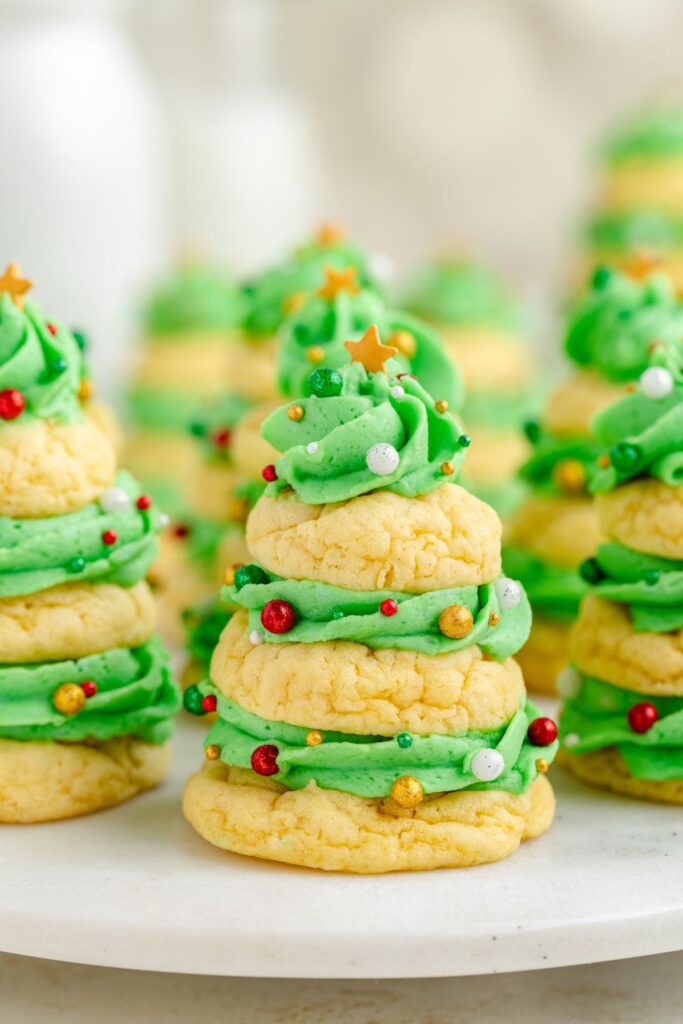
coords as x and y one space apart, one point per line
294 302
330 232
370 351
641 263
338 280
13 283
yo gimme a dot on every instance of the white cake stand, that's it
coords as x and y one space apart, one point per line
135 887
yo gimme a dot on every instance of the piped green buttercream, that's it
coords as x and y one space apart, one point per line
194 298
457 292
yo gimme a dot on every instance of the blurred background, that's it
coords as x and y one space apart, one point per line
136 131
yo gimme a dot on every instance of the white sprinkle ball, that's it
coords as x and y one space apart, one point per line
571 739
382 459
487 764
312 447
113 498
256 637
509 592
568 683
656 382
397 391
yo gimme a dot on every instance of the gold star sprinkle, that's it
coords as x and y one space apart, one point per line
641 263
294 302
370 351
16 285
330 233
339 280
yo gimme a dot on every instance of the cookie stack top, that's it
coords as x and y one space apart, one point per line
626 689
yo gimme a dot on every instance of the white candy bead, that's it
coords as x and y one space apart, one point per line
509 592
487 764
397 391
256 637
382 459
571 739
164 520
568 683
312 447
113 498
656 382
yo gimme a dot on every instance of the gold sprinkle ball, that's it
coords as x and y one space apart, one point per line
212 751
447 468
456 621
237 509
315 354
69 698
570 475
294 302
441 405
542 766
494 618
603 461
404 341
85 389
407 791
314 738
229 577
296 412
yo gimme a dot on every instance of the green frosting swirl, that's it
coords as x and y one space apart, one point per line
194 298
635 229
328 324
652 587
549 451
367 766
458 291
304 271
135 695
612 326
325 613
210 425
653 133
203 624
597 717
36 554
44 363
161 410
371 409
553 590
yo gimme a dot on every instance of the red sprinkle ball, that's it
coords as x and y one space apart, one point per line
209 703
264 759
144 502
221 438
642 716
52 328
181 530
89 688
109 537
389 607
278 616
12 404
542 732
268 473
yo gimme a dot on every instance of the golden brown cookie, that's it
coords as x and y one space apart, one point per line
495 455
607 769
562 530
348 687
251 452
41 781
605 645
381 540
245 813
195 361
232 550
152 454
545 654
645 183
74 620
49 468
491 359
211 491
178 583
251 368
646 515
575 402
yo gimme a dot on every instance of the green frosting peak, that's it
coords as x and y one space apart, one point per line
459 292
655 133
326 324
41 359
382 432
194 298
612 326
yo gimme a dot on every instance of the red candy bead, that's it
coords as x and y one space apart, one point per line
52 328
12 404
264 759
181 530
209 703
268 473
642 716
542 732
221 438
89 688
278 616
144 502
389 607
109 537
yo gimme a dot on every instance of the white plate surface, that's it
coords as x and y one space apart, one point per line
135 887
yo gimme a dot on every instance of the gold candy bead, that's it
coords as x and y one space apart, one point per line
456 621
213 752
296 412
542 766
294 302
229 577
570 475
314 738
404 341
69 698
441 405
407 791
447 468
85 389
315 354
603 461
494 618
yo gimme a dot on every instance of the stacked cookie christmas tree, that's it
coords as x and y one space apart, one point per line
484 331
370 717
608 337
622 720
86 696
